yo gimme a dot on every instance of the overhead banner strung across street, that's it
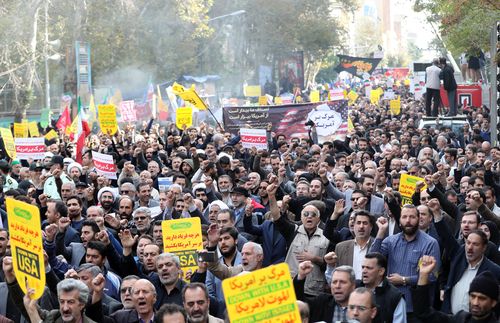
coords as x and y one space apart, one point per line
357 65
329 117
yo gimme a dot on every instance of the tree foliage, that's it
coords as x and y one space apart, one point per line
464 24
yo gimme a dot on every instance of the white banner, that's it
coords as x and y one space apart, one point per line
104 165
127 111
30 148
253 138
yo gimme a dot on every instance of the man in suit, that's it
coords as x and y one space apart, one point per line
352 252
375 205
466 263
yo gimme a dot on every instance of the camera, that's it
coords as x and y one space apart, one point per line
309 123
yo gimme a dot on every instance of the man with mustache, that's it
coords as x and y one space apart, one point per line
196 304
403 251
352 252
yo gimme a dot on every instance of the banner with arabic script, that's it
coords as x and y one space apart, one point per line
30 148
357 65
330 118
264 295
104 165
253 138
183 238
26 245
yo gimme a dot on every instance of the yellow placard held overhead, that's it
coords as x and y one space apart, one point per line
184 117
26 245
183 238
8 142
107 118
407 185
264 295
314 96
252 90
278 100
51 134
352 96
189 95
33 127
395 106
21 130
375 95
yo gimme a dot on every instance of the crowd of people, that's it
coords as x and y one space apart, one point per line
331 211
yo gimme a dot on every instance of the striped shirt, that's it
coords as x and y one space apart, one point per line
403 257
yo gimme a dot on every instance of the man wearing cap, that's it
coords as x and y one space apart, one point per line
8 181
16 170
239 197
482 291
55 178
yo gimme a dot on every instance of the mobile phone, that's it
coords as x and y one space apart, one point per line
209 256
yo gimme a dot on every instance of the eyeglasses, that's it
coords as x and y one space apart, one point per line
307 214
125 192
360 308
140 218
125 290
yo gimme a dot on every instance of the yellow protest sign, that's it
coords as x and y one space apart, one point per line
278 100
33 127
407 184
350 125
395 106
264 295
183 238
252 90
375 95
107 118
8 142
184 117
263 100
189 95
51 134
21 130
352 96
314 96
26 245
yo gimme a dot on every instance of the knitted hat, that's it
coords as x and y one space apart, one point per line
485 283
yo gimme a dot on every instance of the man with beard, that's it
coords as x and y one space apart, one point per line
196 303
128 189
142 220
359 202
158 233
226 219
125 208
167 281
252 256
106 197
75 171
74 205
403 251
482 296
225 184
228 240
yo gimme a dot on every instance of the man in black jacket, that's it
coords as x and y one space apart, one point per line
391 306
450 85
483 296
327 307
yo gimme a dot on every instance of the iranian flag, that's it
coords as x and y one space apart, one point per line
82 131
